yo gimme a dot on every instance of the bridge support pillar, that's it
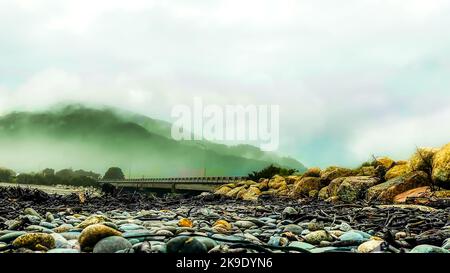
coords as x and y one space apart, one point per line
173 188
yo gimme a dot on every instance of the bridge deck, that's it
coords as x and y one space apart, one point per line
175 183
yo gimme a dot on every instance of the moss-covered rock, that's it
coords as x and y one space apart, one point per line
277 182
441 167
305 185
397 170
323 193
35 241
223 190
251 194
386 162
292 179
331 173
312 172
246 183
92 220
234 192
422 159
386 191
355 187
367 171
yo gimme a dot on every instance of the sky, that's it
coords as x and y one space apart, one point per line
352 78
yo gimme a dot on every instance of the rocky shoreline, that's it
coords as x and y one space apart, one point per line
422 179
131 222
382 206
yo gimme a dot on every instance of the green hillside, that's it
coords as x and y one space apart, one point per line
95 139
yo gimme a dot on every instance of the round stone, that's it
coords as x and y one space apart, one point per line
35 241
94 233
32 212
301 245
316 237
185 245
370 246
49 217
289 211
92 220
244 224
351 236
128 227
296 229
428 249
60 241
11 236
112 244
72 235
184 222
208 242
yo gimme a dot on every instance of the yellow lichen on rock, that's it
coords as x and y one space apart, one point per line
222 224
277 182
397 170
422 159
185 222
92 220
234 192
333 172
292 179
251 194
35 241
388 190
305 185
441 166
386 162
312 172
323 193
222 190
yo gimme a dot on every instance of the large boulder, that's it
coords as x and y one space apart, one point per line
323 193
386 191
277 182
234 192
305 185
355 187
422 159
251 194
367 171
397 170
312 172
223 190
386 162
263 184
331 173
416 192
246 183
441 167
292 179
334 186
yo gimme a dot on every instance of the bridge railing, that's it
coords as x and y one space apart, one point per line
202 179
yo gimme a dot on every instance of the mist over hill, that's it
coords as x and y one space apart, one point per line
80 137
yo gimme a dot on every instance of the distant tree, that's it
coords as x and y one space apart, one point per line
6 175
48 172
87 174
114 173
269 172
65 173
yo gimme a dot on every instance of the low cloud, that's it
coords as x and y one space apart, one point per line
344 74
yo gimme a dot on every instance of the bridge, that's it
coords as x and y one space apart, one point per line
205 183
